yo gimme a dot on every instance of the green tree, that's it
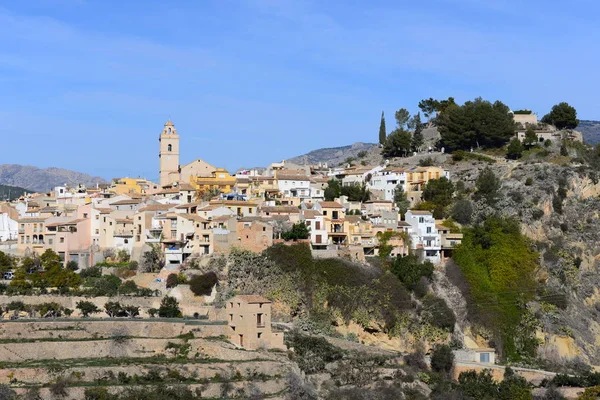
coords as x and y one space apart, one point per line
515 149
462 212
202 285
6 262
113 308
409 270
402 116
442 359
401 199
299 231
531 138
152 260
356 192
172 281
333 190
397 143
50 259
429 107
437 312
479 386
438 191
169 308
474 124
382 131
514 387
87 308
562 116
487 186
417 136
72 265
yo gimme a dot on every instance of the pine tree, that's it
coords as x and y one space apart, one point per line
417 138
382 132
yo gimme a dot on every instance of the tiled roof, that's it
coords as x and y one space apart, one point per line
330 204
104 210
280 209
310 214
126 202
194 217
252 299
156 207
188 205
233 203
32 219
419 212
289 177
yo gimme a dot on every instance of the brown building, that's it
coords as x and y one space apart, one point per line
249 320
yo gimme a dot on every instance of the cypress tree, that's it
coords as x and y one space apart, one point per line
382 132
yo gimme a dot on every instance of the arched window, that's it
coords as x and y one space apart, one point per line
126 241
169 130
169 147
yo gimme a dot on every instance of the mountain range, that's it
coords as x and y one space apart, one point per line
590 130
43 180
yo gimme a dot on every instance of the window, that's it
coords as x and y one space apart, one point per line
429 243
85 215
50 241
110 223
97 217
125 241
484 357
97 231
62 240
428 229
169 147
421 220
258 335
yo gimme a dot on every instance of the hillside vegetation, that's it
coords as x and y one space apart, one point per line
9 193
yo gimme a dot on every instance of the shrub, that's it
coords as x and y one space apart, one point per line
87 308
169 308
528 181
59 388
458 155
409 270
172 281
477 385
312 353
537 214
442 359
437 313
72 265
91 272
462 212
548 143
97 393
202 285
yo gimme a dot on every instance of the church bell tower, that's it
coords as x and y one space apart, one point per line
169 154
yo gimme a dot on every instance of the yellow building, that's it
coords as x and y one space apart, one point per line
130 185
219 180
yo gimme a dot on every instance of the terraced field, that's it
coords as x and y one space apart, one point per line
65 358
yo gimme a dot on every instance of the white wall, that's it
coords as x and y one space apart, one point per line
8 228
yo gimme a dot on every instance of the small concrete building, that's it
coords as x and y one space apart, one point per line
478 355
249 320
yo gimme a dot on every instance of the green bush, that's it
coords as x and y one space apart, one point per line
437 313
169 308
172 281
312 353
91 272
202 285
409 270
528 181
442 359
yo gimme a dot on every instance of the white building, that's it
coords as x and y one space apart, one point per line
424 235
293 185
316 226
8 227
386 180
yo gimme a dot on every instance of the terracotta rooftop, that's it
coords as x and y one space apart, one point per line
188 205
233 203
194 217
252 299
32 219
310 214
290 177
104 210
330 204
156 207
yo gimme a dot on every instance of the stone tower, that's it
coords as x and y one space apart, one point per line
169 154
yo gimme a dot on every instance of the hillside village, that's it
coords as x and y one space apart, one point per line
372 266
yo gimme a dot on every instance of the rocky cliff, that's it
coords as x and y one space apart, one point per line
41 180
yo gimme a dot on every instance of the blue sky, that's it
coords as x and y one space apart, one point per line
87 85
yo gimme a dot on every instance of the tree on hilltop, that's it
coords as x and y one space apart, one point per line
562 116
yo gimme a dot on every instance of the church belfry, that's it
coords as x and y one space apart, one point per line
169 154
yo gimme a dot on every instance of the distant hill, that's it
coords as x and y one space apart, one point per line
11 192
590 130
333 155
43 180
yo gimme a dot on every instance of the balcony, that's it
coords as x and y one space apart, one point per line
151 237
21 230
123 233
